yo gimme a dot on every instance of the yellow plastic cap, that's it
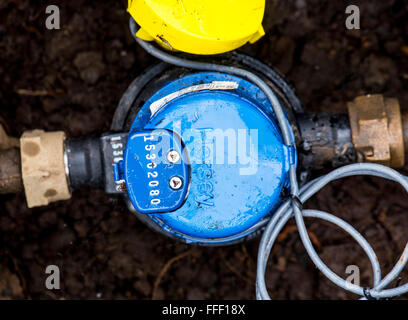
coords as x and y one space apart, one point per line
199 26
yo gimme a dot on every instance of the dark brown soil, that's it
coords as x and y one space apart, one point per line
103 251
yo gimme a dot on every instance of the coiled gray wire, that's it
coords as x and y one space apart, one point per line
292 207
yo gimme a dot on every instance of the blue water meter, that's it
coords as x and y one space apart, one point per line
204 159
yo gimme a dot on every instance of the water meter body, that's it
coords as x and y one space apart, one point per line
204 160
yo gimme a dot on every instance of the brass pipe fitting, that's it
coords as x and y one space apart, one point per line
43 167
35 163
377 130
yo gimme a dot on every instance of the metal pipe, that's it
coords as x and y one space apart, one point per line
84 163
325 141
10 171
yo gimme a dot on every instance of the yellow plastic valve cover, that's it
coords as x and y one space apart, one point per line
199 26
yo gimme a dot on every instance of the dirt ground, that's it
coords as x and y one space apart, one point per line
76 76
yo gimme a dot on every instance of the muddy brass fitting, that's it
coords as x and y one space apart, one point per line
43 167
377 130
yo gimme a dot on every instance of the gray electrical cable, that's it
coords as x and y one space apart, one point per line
292 207
285 212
